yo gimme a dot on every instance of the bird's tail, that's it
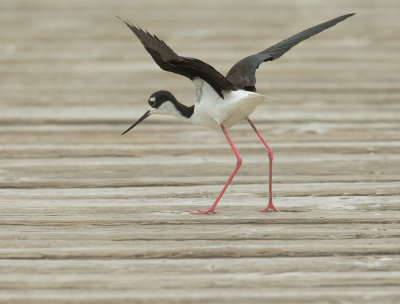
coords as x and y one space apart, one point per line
271 98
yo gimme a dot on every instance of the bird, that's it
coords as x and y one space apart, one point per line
220 101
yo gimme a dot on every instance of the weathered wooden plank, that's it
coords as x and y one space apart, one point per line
277 265
101 230
137 249
88 216
210 295
254 281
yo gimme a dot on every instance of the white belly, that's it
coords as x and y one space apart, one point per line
210 109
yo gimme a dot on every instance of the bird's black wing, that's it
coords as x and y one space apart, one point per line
169 61
242 74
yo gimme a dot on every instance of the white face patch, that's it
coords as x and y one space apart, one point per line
152 99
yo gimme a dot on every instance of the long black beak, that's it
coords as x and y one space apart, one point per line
147 114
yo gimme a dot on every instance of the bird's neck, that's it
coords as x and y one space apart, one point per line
184 111
175 108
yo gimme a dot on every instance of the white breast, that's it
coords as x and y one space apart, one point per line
210 109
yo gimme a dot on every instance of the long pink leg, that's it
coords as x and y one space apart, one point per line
271 157
238 164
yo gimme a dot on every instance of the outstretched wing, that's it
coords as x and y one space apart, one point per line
169 61
242 74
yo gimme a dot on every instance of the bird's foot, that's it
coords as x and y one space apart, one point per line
269 206
205 212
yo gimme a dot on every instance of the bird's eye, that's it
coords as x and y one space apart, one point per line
152 103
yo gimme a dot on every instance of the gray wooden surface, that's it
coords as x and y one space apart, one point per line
88 216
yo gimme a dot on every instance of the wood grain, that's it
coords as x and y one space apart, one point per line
88 216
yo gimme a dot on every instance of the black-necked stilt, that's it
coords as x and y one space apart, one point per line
220 102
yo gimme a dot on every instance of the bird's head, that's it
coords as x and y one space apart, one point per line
161 102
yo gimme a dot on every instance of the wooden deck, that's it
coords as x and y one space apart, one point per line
88 216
